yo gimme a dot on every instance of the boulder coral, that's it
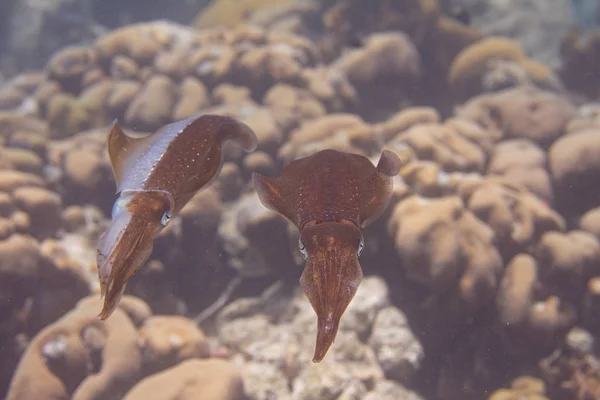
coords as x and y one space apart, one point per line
496 63
443 246
80 357
523 112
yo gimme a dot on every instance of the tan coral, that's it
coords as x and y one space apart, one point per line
426 178
432 235
10 180
172 63
475 64
23 160
332 88
523 387
32 141
153 105
405 119
68 66
261 67
43 94
574 162
92 76
229 14
518 217
94 101
192 379
137 41
11 98
260 162
292 105
590 222
569 259
193 97
532 321
121 96
43 207
383 71
169 340
19 284
523 163
212 63
523 112
516 293
86 173
56 363
445 145
11 122
330 131
66 115
123 68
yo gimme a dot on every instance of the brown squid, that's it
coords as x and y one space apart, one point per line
330 196
156 176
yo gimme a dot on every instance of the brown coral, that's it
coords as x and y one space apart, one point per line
384 71
445 247
523 163
518 217
80 357
169 340
495 63
523 387
574 162
524 112
193 379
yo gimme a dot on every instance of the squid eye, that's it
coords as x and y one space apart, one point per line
118 207
166 217
361 246
302 250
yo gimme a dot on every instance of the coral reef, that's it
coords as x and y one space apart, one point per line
483 277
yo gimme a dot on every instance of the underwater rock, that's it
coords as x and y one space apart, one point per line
391 390
264 381
397 349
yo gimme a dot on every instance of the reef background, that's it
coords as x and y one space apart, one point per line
481 278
